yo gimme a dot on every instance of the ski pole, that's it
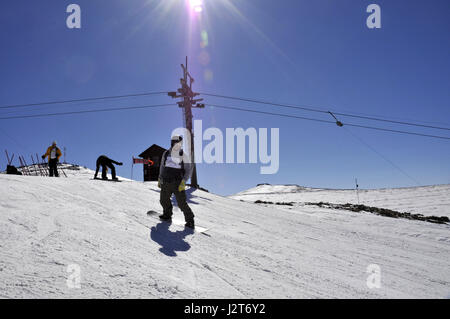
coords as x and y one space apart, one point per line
62 170
26 165
132 166
44 166
21 165
7 157
34 165
37 164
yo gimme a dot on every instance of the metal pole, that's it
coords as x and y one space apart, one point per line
44 167
188 109
62 170
39 165
34 165
7 157
23 158
187 104
21 164
25 166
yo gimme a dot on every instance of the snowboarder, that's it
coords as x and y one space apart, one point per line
53 153
106 162
175 170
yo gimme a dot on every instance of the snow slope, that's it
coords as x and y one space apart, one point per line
47 225
425 200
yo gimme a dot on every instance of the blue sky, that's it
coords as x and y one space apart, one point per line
314 53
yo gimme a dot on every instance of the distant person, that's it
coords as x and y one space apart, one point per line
53 153
106 162
175 170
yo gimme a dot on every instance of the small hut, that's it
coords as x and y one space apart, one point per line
153 153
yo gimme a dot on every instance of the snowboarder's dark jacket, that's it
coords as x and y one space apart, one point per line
175 167
106 161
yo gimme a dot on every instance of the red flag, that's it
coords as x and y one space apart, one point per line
142 161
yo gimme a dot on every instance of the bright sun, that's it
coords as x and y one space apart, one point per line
196 5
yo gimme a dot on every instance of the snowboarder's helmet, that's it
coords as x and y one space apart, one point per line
54 143
176 138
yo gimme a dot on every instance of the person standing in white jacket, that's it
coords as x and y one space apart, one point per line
175 170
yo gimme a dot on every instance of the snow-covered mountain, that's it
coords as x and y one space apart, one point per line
426 200
52 227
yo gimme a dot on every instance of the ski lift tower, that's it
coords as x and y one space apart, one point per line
187 103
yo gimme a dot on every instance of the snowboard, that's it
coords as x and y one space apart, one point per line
175 221
106 180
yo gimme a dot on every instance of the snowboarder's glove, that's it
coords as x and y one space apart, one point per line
43 156
182 186
159 183
120 164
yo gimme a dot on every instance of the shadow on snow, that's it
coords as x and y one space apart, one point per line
170 242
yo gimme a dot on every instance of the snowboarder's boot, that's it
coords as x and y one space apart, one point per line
166 218
190 224
114 179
